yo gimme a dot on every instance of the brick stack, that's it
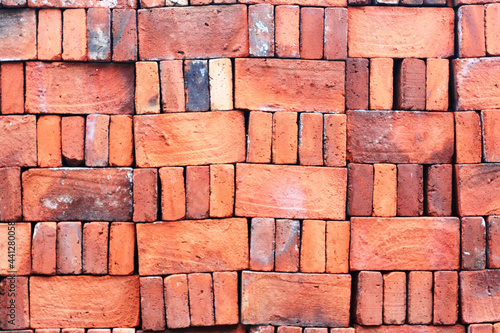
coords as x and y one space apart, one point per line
315 166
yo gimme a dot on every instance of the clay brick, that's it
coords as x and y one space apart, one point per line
74 35
287 246
18 34
83 3
335 139
478 189
121 141
374 31
492 15
95 248
311 32
69 248
315 330
335 46
324 299
260 133
410 190
262 244
226 306
196 85
491 135
201 299
15 310
121 248
95 301
18 144
479 298
342 330
411 329
10 194
290 191
176 301
493 223
49 34
147 88
287 21
410 85
188 246
154 3
289 329
419 298
14 3
221 84
437 82
496 328
72 330
102 88
99 34
285 138
310 85
97 140
445 298
470 32
12 87
43 249
313 246
439 190
73 140
261 30
262 329
221 190
311 139
173 194
467 137
48 330
225 33
384 243
473 243
172 86
152 304
197 192
357 83
48 131
178 2
124 30
360 190
390 137
369 298
385 186
381 83
394 298
189 138
338 234
22 251
480 328
145 195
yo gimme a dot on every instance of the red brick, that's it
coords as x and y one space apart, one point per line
357 83
18 34
22 251
260 132
176 301
394 298
147 88
419 243
84 301
285 138
15 310
290 191
310 85
478 187
315 330
201 299
322 3
74 35
99 34
152 305
83 3
492 15
295 299
102 88
479 297
124 31
335 139
289 329
491 135
369 298
419 298
262 244
470 32
43 250
335 47
311 138
221 190
262 329
14 3
445 298
410 190
384 190
342 330
410 85
261 30
224 35
154 3
493 233
69 248
189 138
411 329
95 248
97 140
220 72
145 195
480 328
391 137
338 234
197 192
48 330
496 328
374 31
12 87
287 246
121 141
73 140
10 194
381 83
287 31
439 190
188 246
360 189
18 144
49 141
437 82
313 246
311 32
467 137
173 194
121 248
172 86
473 243
226 306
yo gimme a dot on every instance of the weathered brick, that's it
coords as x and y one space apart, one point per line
445 298
225 285
43 250
285 138
221 190
311 139
470 31
410 329
338 235
313 246
10 194
369 298
492 37
173 194
17 34
124 30
121 141
121 248
335 47
410 190
478 189
97 140
18 144
335 139
95 248
480 328
201 299
385 186
262 244
99 34
74 43
147 88
196 84
479 296
493 233
381 83
152 303
176 301
357 83
439 190
221 84
360 189
322 3
48 132
84 3
69 248
467 137
73 140
49 34
287 21
437 82
261 30
419 298
15 310
473 252
12 87
394 298
197 192
145 195
312 29
491 135
172 86
410 85
260 133
22 252
287 245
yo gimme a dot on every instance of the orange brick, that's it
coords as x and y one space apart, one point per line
445 298
154 3
19 301
335 139
176 301
73 140
152 304
369 298
197 192
18 39
420 298
262 244
311 32
287 31
493 223
385 190
43 249
492 15
145 195
311 139
172 86
121 248
470 31
315 330
473 243
99 34
289 329
69 248
337 246
18 144
22 251
437 82
287 246
49 141
124 30
221 190
480 328
468 137
381 83
147 88
95 248
394 298
201 299
221 84
491 135
478 189
173 194
10 194
121 141
97 140
335 47
260 133
285 138
12 87
74 35
313 246
261 30
226 306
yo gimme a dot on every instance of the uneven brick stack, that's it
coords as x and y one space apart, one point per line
315 166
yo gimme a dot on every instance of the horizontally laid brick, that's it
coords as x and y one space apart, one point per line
77 194
102 88
493 224
385 185
74 35
470 31
338 236
420 298
285 137
18 34
357 83
225 285
445 297
478 190
311 32
419 243
313 246
438 190
145 195
479 297
21 265
84 3
260 134
388 136
172 86
84 301
173 194
15 310
48 132
323 3
221 190
335 141
124 30
43 250
411 329
97 140
381 83
491 135
290 191
369 298
99 34
197 192
311 139
195 32
152 304
10 194
69 248
410 85
492 14
287 245
188 246
324 299
410 190
196 85
291 85
394 298
262 244
468 147
95 248
176 301
375 31
437 82
121 141
121 248
480 328
147 87
335 47
261 30
201 299
189 138
18 144
73 140
473 234
287 33
360 189
220 72
12 87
